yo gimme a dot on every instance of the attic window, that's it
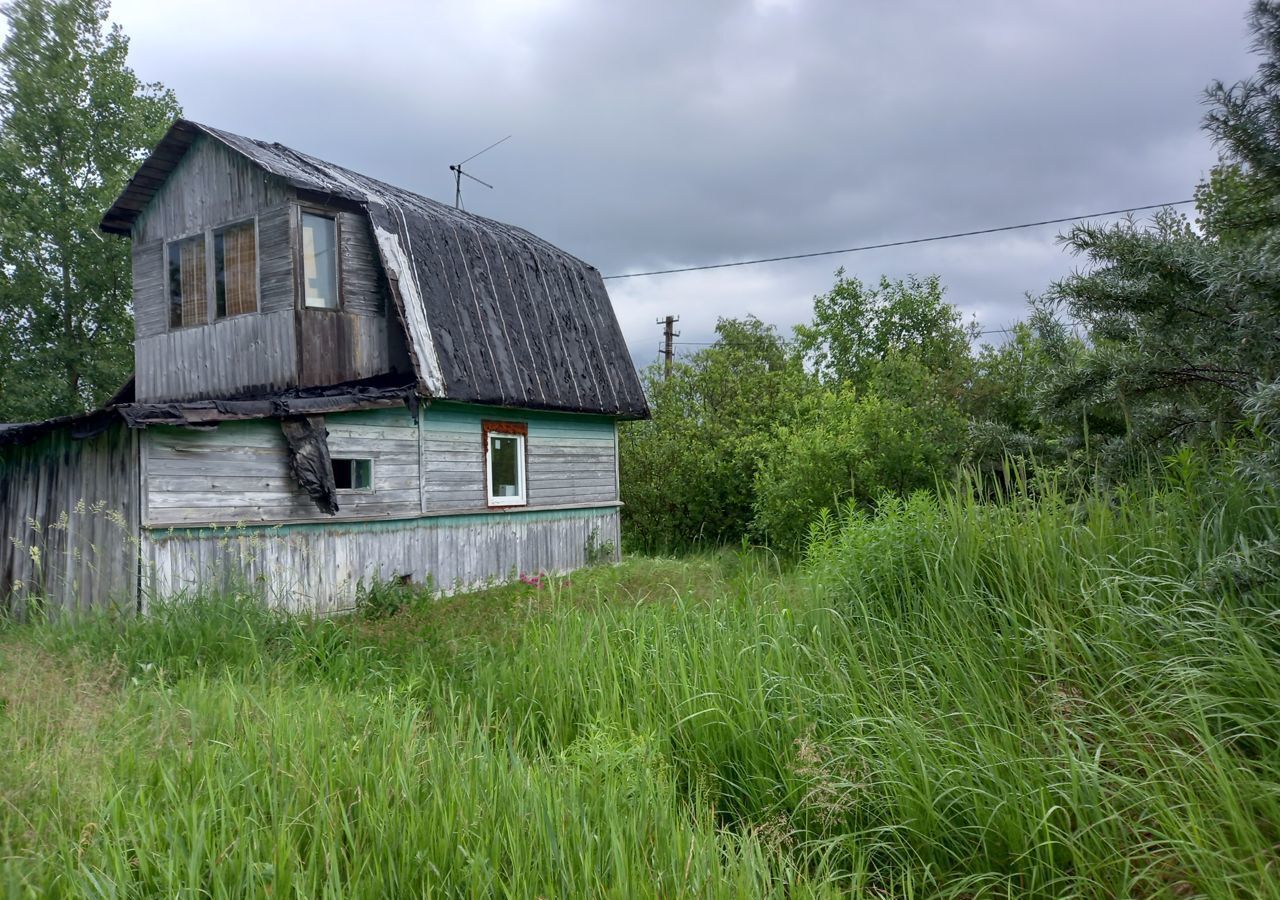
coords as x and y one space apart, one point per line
353 474
188 283
504 446
235 269
319 261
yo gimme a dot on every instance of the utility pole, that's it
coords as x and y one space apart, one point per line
669 334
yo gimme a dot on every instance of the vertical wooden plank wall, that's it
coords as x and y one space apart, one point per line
69 518
318 568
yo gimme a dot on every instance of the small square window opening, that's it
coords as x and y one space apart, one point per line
352 474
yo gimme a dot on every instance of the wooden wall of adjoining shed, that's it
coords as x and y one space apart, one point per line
69 512
571 458
319 567
239 472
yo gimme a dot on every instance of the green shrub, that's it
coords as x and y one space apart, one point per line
846 447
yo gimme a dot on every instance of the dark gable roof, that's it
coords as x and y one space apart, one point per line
492 313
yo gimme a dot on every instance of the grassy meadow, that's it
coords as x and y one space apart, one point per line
1021 697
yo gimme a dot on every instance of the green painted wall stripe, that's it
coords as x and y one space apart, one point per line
476 410
366 526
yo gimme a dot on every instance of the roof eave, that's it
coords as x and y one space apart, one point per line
151 174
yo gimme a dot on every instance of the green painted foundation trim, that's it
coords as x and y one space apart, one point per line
373 526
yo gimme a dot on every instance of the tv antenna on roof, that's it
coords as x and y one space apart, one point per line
456 169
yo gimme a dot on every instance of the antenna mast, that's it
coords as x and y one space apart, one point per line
456 169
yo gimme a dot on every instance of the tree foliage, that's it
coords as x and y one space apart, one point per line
687 474
844 446
75 122
855 328
1185 322
746 441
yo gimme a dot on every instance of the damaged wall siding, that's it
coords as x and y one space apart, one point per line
239 472
75 504
318 567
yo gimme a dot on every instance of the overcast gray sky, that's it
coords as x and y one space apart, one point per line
661 133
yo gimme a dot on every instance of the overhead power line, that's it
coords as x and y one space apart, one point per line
922 240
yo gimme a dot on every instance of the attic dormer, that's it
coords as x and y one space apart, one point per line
259 268
242 286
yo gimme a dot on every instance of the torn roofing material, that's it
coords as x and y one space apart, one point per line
492 313
309 460
370 393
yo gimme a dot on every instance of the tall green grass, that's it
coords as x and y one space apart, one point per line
1045 696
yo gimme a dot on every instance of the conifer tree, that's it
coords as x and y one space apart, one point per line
1185 320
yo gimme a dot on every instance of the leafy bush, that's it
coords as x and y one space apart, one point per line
687 474
844 447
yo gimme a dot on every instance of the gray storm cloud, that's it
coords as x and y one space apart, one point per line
661 134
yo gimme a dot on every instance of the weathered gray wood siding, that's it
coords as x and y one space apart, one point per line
240 355
281 345
276 290
239 472
69 522
318 567
360 339
243 354
210 186
571 459
364 284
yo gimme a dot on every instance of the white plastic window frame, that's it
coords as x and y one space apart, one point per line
521 498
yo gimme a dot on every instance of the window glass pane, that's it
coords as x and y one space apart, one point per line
235 261
319 261
362 474
188 284
504 465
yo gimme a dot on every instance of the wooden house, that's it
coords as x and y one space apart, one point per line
337 381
